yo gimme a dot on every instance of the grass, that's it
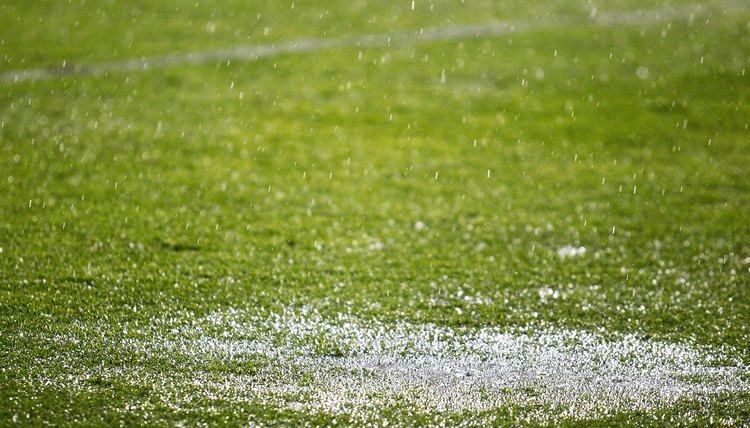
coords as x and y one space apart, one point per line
360 181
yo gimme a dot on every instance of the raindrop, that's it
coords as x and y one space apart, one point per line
642 72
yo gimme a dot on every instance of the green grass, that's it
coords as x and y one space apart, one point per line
297 181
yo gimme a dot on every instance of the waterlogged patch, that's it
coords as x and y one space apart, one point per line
302 361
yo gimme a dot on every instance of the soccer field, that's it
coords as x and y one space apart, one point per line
449 212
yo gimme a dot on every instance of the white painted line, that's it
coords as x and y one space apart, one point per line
487 29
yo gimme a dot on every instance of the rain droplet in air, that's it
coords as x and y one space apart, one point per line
642 72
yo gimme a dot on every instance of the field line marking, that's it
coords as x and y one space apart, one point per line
438 33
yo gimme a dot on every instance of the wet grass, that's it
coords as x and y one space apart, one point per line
360 181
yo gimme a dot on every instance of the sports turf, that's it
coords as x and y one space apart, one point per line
563 206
